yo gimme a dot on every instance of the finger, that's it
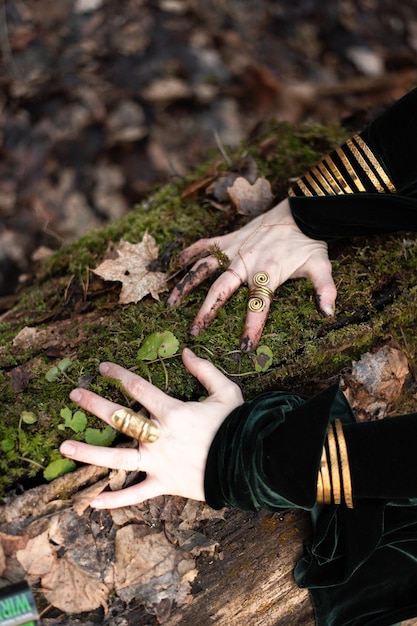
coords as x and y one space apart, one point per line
197 274
325 288
95 404
210 377
153 399
254 327
127 459
194 251
219 293
149 488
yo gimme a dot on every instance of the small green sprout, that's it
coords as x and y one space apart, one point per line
57 370
76 421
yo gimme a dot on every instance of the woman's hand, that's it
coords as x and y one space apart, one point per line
270 243
175 462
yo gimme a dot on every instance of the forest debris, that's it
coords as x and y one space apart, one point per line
38 556
131 269
146 566
41 500
250 199
70 588
375 382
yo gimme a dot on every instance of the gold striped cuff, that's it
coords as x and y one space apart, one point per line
350 168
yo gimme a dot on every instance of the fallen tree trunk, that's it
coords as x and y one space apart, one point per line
66 319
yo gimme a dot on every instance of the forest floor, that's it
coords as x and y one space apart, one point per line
101 101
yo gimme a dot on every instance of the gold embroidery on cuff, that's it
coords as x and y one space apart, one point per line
314 185
304 188
332 182
376 164
365 167
356 180
322 181
337 174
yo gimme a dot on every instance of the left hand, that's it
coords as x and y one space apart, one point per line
270 243
175 462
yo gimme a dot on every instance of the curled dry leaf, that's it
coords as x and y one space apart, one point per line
250 199
375 382
131 269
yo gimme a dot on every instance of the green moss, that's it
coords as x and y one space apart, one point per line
82 320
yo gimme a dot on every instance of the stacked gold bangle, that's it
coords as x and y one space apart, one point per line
350 168
334 472
259 293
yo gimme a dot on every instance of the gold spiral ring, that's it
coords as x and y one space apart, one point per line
135 425
261 279
259 293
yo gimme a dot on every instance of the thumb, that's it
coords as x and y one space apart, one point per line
325 288
211 378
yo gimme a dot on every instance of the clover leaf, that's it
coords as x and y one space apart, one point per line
76 421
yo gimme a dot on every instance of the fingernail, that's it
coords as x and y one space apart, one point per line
97 503
67 448
188 352
171 300
104 368
195 330
75 395
328 309
246 345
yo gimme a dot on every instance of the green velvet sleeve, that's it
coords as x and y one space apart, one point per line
392 137
360 564
267 453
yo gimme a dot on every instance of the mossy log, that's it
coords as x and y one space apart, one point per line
66 311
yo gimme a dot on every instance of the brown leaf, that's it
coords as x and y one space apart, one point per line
38 557
375 381
83 498
131 269
250 199
69 588
20 379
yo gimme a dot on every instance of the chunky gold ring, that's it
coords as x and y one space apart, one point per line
259 293
135 425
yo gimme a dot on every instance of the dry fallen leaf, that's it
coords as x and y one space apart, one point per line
250 199
71 589
375 382
38 557
131 269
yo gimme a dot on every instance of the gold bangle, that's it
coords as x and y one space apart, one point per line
324 470
344 464
304 188
319 496
374 161
316 172
334 466
332 182
349 168
314 185
337 175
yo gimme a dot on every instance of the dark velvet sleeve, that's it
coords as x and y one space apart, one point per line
392 137
360 565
